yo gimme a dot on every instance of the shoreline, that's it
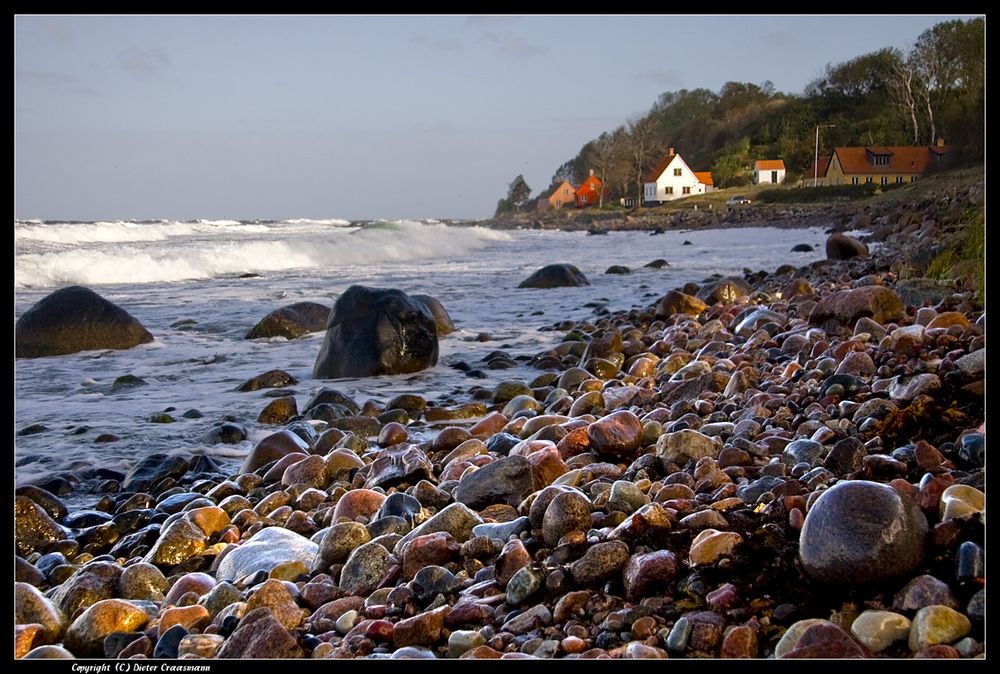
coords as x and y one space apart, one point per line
646 494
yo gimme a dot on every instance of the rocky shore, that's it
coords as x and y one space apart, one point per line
788 464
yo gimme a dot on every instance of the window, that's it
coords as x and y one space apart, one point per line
854 180
668 190
913 179
774 176
899 180
687 190
677 172
868 180
880 159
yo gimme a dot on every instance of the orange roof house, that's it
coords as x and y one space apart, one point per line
817 171
769 171
880 164
557 196
589 193
704 177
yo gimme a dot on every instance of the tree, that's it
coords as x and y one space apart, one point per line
641 133
604 154
904 86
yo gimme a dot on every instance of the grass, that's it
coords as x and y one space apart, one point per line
965 257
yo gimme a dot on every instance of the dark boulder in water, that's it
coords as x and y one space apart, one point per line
441 318
843 247
618 269
376 331
75 319
292 321
555 276
802 248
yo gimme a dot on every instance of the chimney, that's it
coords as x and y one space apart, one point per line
591 171
670 151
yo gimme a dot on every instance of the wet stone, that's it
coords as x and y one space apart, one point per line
861 532
502 530
825 640
85 637
169 641
365 568
649 571
937 625
32 607
260 635
142 581
711 545
524 583
505 480
568 511
877 630
265 550
600 561
338 543
153 469
201 645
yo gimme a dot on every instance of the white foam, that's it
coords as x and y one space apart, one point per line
258 248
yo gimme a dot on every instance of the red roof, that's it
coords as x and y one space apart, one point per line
770 165
909 159
824 164
660 167
704 177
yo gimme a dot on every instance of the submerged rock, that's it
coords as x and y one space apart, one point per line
555 276
75 319
376 331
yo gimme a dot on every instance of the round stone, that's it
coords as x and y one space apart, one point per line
877 630
860 532
937 625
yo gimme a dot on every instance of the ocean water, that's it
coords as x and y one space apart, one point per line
165 272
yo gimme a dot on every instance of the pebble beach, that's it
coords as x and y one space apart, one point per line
787 463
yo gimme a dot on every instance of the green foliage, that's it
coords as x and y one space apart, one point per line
709 128
965 257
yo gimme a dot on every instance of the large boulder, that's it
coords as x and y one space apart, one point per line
843 247
861 532
555 276
839 311
75 319
444 323
374 331
292 321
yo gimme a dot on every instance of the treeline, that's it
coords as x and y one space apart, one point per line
935 89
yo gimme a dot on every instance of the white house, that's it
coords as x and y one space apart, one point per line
673 179
769 171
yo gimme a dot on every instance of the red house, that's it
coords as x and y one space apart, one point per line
589 193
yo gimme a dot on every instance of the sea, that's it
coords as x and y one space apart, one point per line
199 286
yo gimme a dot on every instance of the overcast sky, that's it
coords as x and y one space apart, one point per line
121 117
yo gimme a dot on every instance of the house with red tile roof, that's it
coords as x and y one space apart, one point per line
880 164
769 171
672 178
589 193
817 172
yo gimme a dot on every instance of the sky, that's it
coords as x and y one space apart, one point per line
273 117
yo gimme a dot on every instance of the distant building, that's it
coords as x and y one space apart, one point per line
769 171
557 196
589 193
882 165
672 178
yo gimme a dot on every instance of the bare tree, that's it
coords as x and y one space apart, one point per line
904 86
642 134
604 153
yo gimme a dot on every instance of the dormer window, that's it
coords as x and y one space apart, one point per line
880 159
